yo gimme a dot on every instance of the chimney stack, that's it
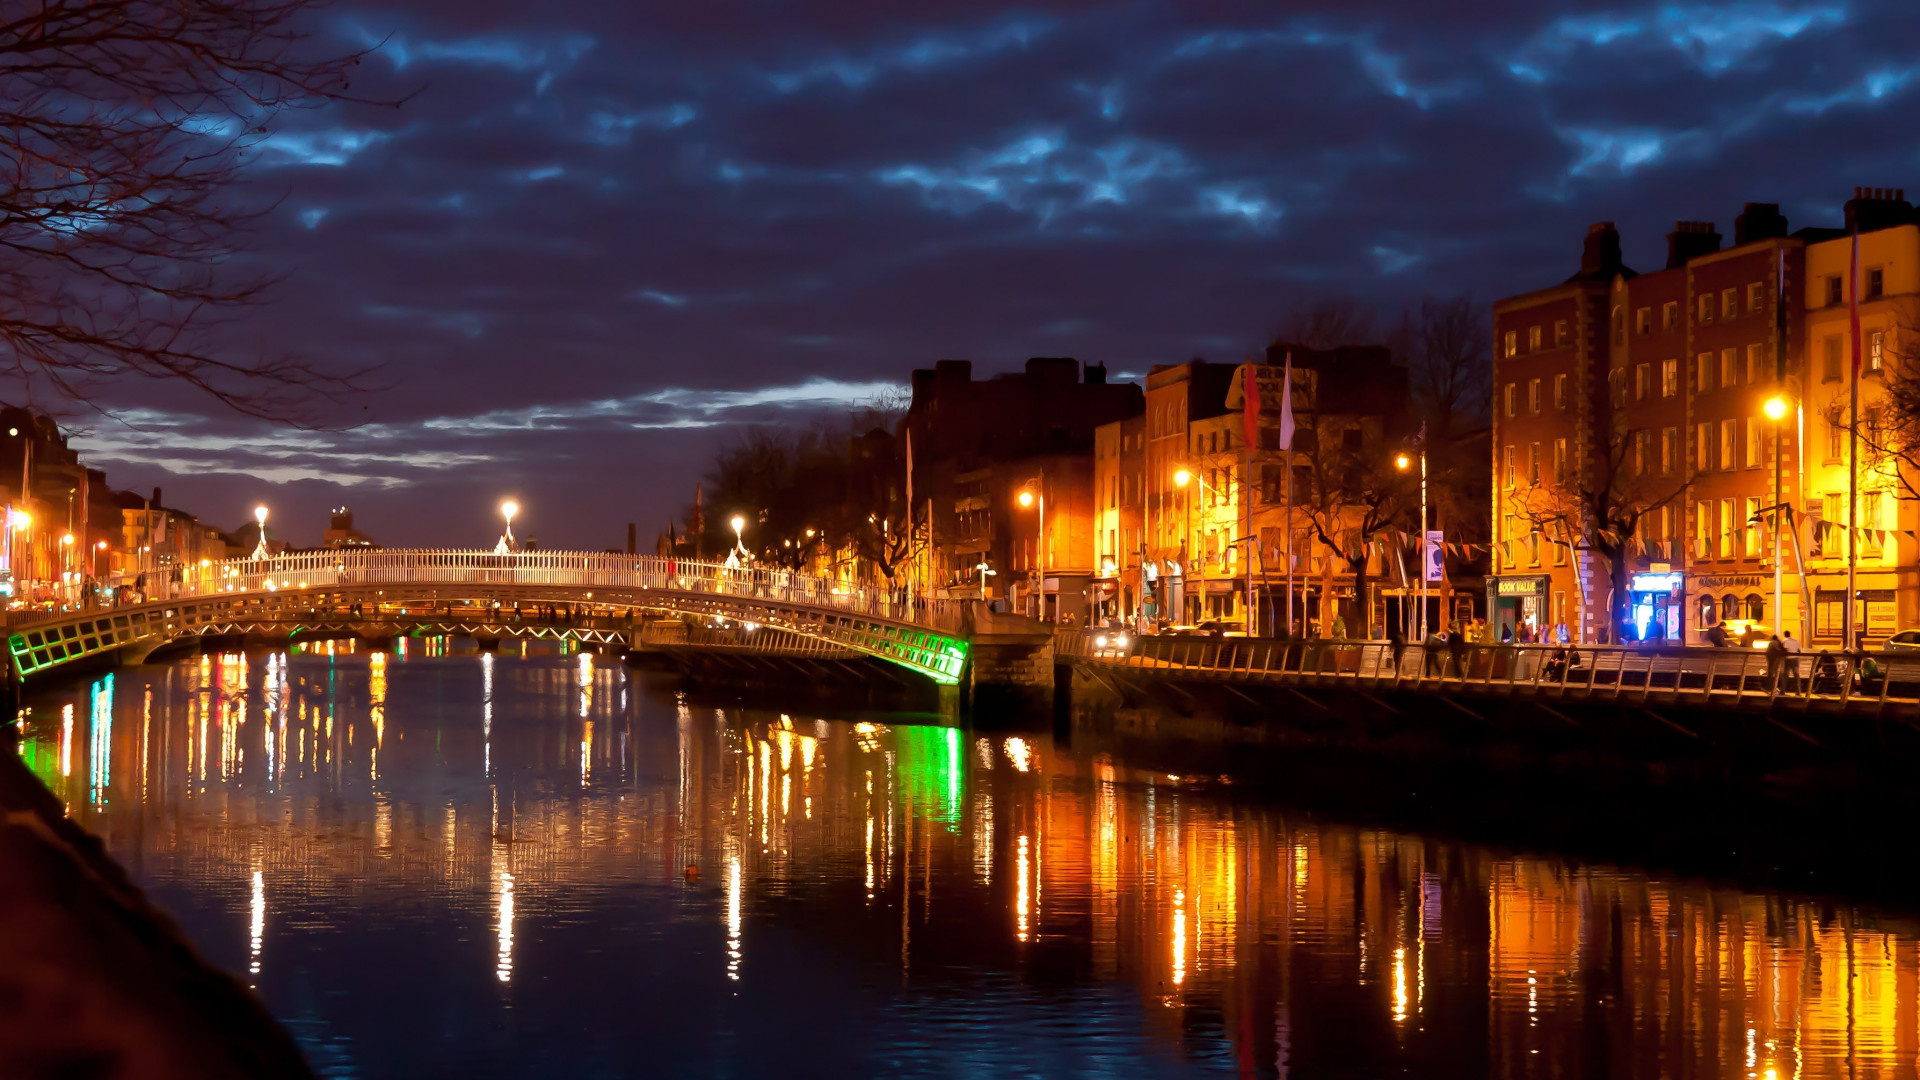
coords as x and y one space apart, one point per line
1875 208
1690 240
1601 255
1759 221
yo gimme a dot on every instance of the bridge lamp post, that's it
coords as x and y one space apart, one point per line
739 524
1777 408
20 522
260 517
1036 493
507 510
1404 461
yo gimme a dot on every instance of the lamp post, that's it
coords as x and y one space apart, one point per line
66 563
1403 461
19 521
99 552
260 517
507 510
1181 478
1776 409
739 524
1036 492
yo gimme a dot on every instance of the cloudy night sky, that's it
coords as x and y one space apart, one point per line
598 237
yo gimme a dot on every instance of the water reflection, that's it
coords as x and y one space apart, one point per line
470 861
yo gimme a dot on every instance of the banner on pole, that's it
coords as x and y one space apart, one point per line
1434 558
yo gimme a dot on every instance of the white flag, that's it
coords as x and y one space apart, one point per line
1286 406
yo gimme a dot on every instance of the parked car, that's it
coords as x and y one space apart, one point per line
1904 641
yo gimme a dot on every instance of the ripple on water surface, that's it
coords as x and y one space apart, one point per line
437 864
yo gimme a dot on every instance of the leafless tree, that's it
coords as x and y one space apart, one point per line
1603 506
123 127
1353 495
1327 324
1448 344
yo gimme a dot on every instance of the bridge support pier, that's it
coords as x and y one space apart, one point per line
1010 673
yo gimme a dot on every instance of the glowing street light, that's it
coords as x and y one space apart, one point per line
1029 495
508 508
1403 461
20 520
1777 407
260 517
1181 477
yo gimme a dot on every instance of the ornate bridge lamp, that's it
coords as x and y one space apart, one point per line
506 544
260 516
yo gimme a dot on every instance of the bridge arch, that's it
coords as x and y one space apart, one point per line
271 595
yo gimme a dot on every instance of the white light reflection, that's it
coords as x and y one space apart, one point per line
503 968
257 923
1400 985
486 712
1019 753
733 918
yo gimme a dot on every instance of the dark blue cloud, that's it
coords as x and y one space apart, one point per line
594 222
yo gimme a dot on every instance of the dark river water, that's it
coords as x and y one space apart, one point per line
447 865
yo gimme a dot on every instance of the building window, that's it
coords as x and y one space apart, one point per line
1756 294
1619 325
1670 315
1559 461
1559 332
1703 446
1729 443
1726 528
1703 373
1876 283
1752 458
1753 528
1643 321
1642 452
1669 378
1836 442
1876 345
1729 367
1729 303
1704 309
1642 381
1753 364
1836 291
1669 450
1533 338
1560 392
1703 529
1870 523
1533 396
1533 465
1830 366
1513 476
1513 395
1510 344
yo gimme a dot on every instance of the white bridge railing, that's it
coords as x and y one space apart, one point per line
582 570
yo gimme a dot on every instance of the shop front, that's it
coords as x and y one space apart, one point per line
1656 608
1736 602
1514 601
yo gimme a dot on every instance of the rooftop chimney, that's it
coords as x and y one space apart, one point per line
1690 240
156 498
1601 258
1096 374
1871 209
1759 221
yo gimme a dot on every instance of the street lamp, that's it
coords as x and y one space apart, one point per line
1036 492
1776 409
1181 477
1403 461
739 523
508 509
66 557
99 551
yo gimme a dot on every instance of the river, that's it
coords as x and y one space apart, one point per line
440 863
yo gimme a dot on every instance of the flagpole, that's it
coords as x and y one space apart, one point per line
1851 639
1286 444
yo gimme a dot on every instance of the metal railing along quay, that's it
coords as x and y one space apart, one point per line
1628 675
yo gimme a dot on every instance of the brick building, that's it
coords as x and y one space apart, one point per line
1634 452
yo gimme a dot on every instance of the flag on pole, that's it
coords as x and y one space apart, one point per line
1286 406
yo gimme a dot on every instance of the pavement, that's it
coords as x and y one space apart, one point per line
95 982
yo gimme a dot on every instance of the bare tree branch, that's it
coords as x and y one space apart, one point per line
124 125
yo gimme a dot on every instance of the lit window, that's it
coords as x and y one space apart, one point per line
1510 345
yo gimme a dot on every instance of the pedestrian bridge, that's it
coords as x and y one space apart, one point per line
331 591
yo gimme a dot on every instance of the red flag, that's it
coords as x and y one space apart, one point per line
1286 406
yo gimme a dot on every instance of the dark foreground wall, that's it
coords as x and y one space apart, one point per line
94 981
